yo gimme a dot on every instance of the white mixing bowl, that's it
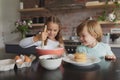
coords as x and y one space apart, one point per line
50 62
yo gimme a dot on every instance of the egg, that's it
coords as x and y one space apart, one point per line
17 57
27 59
22 57
19 61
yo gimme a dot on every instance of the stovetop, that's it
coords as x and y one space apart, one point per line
70 46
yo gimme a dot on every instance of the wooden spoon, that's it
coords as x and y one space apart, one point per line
43 42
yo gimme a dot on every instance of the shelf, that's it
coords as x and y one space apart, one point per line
39 24
107 22
33 9
97 4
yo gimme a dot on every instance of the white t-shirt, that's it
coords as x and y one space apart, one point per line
28 42
100 50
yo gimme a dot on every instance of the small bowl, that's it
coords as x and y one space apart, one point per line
7 64
50 62
49 50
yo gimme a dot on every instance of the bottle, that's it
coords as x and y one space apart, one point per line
21 5
41 3
106 38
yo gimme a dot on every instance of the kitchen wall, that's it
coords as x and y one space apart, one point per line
72 18
1 28
69 18
8 15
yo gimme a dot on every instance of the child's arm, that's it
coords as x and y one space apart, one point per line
37 38
110 55
27 42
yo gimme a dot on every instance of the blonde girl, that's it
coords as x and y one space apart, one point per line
90 36
51 35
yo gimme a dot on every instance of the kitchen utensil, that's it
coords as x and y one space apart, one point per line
45 29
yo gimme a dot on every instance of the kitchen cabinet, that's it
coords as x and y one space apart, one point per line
16 49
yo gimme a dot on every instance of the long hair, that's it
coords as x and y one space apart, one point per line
55 20
93 28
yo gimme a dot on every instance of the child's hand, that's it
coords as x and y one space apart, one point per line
110 57
44 36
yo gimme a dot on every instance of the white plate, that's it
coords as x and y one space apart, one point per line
90 60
